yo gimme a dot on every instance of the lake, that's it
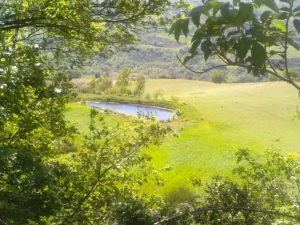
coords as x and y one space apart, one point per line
133 109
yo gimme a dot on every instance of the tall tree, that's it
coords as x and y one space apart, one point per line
140 85
36 36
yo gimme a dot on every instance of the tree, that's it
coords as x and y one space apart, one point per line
244 34
102 180
39 40
140 85
101 84
123 80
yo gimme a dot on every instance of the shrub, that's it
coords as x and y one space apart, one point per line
100 85
123 80
158 94
218 77
180 195
140 85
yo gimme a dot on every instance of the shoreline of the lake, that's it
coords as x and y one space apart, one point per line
157 111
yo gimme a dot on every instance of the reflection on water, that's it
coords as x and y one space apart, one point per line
132 109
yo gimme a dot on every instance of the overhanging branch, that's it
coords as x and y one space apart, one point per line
200 72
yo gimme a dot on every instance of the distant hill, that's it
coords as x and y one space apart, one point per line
155 57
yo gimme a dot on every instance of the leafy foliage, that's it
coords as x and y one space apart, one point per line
140 85
37 184
267 193
100 85
123 79
102 177
32 98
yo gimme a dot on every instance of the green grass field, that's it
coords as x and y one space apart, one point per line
216 122
224 118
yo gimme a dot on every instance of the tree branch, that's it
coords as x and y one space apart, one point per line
225 209
203 71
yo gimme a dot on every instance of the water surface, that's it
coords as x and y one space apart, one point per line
133 109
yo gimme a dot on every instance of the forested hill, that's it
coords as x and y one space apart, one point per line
155 57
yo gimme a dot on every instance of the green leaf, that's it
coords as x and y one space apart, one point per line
283 16
245 13
266 15
197 35
172 29
279 24
259 54
297 9
206 48
185 26
176 29
195 14
243 47
296 23
271 4
293 43
286 9
225 10
297 14
187 58
194 46
235 2
216 5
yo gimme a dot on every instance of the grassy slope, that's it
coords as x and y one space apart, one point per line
225 118
222 118
79 116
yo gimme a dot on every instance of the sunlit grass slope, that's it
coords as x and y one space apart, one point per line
217 121
224 118
79 116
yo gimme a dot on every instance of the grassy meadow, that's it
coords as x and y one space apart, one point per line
217 120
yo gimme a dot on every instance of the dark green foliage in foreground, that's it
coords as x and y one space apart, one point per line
102 185
32 98
48 173
267 192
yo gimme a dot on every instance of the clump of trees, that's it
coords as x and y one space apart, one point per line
127 84
101 84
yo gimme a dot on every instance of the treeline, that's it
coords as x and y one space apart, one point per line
155 57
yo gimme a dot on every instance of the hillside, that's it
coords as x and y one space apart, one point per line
154 55
218 120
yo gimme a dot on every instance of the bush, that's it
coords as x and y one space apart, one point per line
101 84
123 80
140 85
158 94
218 77
104 84
180 195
